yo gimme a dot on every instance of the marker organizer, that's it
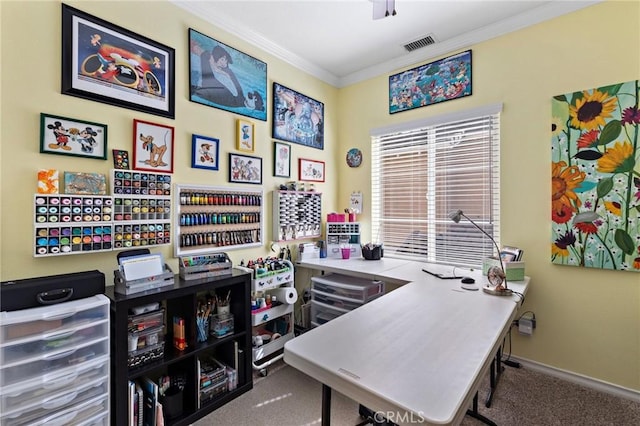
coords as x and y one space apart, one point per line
205 266
141 208
72 224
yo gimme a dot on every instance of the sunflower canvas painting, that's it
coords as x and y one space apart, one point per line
595 178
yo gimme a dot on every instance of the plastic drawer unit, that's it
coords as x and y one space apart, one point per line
333 295
55 364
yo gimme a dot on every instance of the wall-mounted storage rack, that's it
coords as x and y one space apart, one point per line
297 215
209 218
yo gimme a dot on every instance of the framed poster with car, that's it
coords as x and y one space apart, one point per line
107 63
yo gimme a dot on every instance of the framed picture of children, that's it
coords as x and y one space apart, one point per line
152 147
205 152
70 136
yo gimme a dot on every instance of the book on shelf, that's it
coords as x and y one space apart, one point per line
132 400
139 404
150 389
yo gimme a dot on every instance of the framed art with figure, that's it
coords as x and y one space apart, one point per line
297 118
109 64
245 169
310 170
68 136
205 152
152 147
244 135
225 78
281 159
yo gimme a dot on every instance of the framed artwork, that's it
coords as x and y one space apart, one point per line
109 64
152 147
245 169
244 136
297 118
120 159
310 170
439 81
69 136
81 183
281 159
225 78
205 152
595 177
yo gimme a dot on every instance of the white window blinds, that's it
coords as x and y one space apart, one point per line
419 175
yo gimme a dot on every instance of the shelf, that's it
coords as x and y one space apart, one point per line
297 215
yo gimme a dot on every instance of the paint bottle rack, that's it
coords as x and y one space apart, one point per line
141 208
209 219
297 215
72 224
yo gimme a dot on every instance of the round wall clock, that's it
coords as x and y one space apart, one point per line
354 157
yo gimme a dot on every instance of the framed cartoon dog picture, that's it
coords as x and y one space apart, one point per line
152 147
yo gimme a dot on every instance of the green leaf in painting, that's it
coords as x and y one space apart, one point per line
624 241
561 98
611 90
610 132
576 96
605 186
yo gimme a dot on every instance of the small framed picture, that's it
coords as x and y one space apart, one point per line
310 170
281 159
244 135
69 136
120 159
205 152
245 169
81 183
152 146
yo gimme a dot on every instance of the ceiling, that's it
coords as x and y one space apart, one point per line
339 42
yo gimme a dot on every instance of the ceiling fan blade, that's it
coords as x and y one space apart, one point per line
382 8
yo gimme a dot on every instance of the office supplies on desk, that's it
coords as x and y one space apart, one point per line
442 276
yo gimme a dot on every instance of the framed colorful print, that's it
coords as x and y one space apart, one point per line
81 183
120 159
297 118
244 136
152 147
310 170
281 159
109 64
428 84
245 169
225 78
205 152
68 136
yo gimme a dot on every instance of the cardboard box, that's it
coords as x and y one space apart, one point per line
513 270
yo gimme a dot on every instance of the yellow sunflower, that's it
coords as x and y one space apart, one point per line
614 207
618 159
559 251
590 111
557 126
563 181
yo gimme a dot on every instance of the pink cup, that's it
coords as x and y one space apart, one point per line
346 252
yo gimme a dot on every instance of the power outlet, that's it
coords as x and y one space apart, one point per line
525 326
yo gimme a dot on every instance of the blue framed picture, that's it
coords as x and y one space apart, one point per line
205 152
439 81
225 78
297 118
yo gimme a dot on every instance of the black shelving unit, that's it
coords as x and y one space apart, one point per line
181 300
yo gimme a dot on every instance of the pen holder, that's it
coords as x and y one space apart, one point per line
202 325
221 325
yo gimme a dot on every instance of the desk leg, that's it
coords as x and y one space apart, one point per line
494 375
476 415
326 405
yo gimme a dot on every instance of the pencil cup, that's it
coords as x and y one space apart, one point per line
346 252
223 310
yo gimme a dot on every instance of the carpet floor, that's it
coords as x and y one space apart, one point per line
287 397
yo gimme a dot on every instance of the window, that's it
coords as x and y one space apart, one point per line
421 171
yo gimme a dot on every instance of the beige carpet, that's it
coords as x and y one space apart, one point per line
287 397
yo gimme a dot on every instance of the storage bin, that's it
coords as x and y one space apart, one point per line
321 313
357 289
139 323
145 355
334 300
221 325
146 338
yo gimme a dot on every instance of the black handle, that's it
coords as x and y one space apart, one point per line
55 296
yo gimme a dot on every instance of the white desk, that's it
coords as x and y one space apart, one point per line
417 353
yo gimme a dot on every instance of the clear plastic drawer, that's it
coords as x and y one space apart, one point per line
34 366
139 323
357 289
62 339
83 413
334 300
321 313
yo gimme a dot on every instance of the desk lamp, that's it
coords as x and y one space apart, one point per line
496 276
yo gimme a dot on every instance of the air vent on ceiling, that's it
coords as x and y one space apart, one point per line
420 43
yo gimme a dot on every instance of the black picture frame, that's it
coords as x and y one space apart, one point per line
297 118
106 63
246 90
245 169
439 81
281 159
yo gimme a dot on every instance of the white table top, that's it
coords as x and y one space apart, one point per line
421 349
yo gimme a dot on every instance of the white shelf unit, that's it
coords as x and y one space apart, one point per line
210 219
55 364
297 215
269 321
340 234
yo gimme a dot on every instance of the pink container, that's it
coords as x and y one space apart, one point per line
340 217
352 217
346 252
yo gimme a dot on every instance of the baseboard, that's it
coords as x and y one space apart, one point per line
579 379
